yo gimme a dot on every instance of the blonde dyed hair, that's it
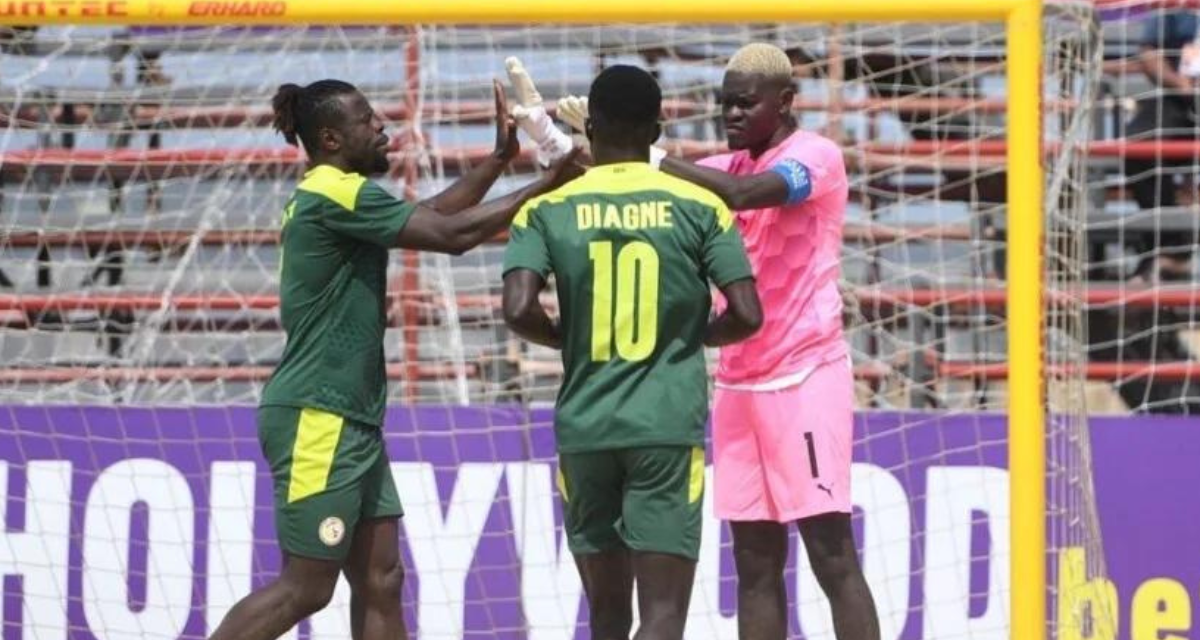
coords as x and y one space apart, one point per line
762 59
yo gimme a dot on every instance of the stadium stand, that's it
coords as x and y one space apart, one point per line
139 201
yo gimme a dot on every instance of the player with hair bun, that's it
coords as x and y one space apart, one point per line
321 415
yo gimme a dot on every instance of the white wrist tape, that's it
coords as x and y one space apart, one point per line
552 143
656 156
553 148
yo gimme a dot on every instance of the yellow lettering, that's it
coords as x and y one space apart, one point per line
1161 610
583 216
637 301
612 217
1084 604
648 212
630 217
633 324
601 255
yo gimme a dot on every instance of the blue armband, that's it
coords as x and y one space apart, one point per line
799 181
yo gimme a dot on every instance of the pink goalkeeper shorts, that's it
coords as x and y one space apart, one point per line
784 455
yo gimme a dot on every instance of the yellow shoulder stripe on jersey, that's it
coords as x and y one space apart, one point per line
724 217
522 217
558 195
684 189
333 183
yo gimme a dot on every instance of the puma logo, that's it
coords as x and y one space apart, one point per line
826 489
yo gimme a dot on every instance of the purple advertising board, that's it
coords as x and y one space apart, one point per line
151 522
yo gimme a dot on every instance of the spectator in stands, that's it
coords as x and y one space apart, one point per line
1170 59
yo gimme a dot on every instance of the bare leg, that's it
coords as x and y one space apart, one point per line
664 591
608 582
304 588
376 575
760 552
829 539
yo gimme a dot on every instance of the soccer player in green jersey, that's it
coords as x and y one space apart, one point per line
319 421
633 252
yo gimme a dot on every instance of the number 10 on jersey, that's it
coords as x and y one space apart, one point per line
632 325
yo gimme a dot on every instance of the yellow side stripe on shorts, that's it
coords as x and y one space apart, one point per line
561 481
696 477
312 455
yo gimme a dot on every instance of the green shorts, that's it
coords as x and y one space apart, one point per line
328 473
643 498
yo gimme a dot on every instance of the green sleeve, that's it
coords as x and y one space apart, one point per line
725 258
526 245
377 217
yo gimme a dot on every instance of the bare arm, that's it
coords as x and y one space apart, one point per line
431 230
740 320
469 189
523 313
1122 66
768 189
1155 65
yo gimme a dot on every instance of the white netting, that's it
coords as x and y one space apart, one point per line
1143 229
141 192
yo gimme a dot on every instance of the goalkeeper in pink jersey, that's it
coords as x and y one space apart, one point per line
783 410
783 407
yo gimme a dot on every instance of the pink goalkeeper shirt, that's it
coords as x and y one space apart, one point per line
795 251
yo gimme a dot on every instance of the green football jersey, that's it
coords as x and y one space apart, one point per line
337 229
632 251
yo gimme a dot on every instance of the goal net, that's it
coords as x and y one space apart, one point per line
141 193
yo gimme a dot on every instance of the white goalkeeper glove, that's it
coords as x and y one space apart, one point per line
532 118
573 110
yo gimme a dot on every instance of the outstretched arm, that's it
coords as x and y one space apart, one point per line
1160 72
469 189
431 230
767 189
531 116
740 320
1156 32
523 312
781 185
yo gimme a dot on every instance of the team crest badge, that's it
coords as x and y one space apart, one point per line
331 531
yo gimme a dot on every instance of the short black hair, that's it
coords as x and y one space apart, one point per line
625 95
300 112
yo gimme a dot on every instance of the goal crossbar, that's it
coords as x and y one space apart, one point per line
321 12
